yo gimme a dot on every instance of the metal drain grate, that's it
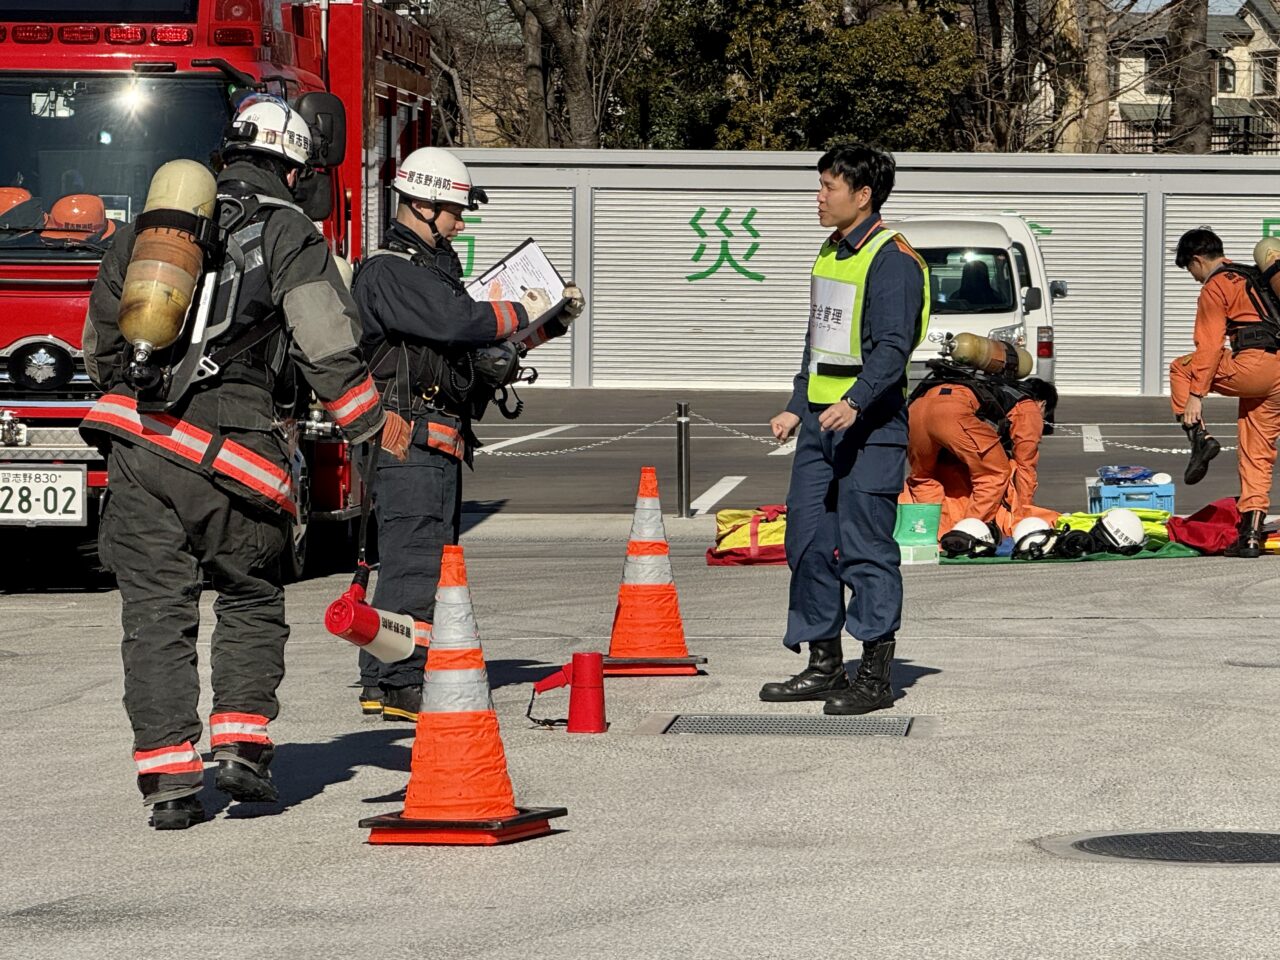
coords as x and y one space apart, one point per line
1174 846
786 725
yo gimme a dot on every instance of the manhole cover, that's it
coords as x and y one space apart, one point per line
782 725
1173 846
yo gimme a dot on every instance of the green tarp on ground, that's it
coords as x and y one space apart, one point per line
1170 551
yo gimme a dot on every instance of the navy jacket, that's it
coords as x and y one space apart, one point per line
893 303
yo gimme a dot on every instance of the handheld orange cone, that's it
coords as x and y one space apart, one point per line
648 633
459 791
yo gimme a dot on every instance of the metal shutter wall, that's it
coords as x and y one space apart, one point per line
1096 246
651 325
513 215
1238 221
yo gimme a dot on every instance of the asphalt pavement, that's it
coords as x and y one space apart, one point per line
1047 700
580 451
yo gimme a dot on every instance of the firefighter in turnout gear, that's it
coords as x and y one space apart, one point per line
200 483
421 330
869 309
977 435
1236 356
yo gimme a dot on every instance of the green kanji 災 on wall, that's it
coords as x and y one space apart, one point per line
726 256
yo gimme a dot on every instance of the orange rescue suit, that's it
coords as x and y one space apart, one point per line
1252 375
955 457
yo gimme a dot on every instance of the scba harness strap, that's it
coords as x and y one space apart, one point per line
1264 335
217 342
444 379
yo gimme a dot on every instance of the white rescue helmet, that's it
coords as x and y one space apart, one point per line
437 176
1119 531
267 124
970 538
1033 539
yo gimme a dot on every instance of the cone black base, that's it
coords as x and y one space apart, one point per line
527 823
652 666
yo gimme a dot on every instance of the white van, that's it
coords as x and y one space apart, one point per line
987 277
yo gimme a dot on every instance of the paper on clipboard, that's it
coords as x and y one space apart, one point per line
524 268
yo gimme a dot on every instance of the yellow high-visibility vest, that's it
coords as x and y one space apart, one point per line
837 294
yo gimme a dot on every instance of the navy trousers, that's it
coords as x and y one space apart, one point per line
841 511
419 507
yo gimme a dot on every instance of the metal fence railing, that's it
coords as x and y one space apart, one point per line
1238 135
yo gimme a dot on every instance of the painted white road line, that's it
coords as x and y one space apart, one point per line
1092 438
489 448
786 450
719 490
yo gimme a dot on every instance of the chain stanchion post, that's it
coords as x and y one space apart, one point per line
683 470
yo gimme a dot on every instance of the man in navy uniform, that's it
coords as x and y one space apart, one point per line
869 308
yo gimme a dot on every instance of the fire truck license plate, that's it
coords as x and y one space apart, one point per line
42 495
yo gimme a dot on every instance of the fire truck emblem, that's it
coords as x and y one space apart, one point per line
41 365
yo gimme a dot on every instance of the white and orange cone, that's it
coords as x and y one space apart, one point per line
648 632
459 790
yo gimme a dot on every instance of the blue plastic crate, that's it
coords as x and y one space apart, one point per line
1135 496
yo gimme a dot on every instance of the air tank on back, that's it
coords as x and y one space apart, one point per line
990 356
1265 254
167 260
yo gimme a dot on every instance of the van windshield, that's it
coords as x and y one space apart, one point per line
970 280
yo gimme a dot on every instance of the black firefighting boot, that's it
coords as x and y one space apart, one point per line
870 689
177 814
371 701
824 675
1203 449
242 772
1251 539
401 703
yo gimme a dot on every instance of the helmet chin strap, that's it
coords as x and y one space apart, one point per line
431 224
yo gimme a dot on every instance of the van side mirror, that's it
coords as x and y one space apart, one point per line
327 118
1033 299
1058 289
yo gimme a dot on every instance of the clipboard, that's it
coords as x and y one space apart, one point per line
524 268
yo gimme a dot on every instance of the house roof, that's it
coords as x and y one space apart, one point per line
1226 30
1225 108
1266 13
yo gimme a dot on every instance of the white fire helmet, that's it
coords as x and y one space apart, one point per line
1033 539
267 124
1119 531
970 537
437 176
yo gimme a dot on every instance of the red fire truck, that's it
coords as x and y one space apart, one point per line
94 96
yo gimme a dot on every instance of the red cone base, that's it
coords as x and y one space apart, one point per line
526 824
652 666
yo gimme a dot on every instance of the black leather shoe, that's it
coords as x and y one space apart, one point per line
401 703
870 689
1203 449
371 701
1251 537
243 774
824 675
177 814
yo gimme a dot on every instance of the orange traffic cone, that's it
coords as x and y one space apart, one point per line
459 791
648 634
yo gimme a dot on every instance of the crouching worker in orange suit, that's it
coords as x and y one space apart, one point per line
974 445
1248 369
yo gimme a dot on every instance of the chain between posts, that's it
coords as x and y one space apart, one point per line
579 449
767 441
668 418
1131 446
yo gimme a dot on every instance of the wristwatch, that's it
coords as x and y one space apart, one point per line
852 405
